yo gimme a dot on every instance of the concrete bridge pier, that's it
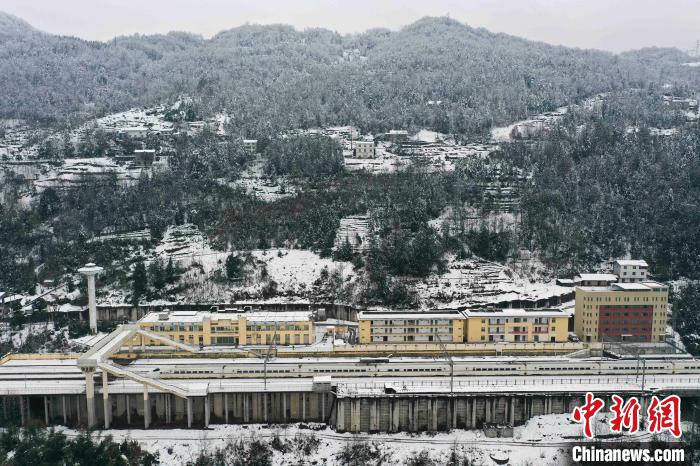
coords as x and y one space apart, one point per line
189 413
107 403
89 373
146 408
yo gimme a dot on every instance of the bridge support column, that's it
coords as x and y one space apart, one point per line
355 415
323 408
434 414
304 400
226 408
107 405
284 407
128 410
340 414
487 408
146 408
473 413
207 410
246 407
412 416
90 395
373 421
189 412
63 405
511 409
46 410
22 410
394 416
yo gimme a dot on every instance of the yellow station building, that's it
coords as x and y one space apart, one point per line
516 325
232 328
411 327
471 326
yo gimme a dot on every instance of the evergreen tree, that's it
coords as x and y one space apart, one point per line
345 251
156 275
139 282
170 272
68 148
234 267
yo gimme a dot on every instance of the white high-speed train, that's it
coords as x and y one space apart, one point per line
409 367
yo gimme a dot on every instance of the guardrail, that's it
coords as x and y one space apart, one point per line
650 381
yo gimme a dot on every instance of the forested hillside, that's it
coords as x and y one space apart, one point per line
435 73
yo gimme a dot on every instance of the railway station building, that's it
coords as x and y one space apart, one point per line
232 328
622 312
470 326
411 327
516 325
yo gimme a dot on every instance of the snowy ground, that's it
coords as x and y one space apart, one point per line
355 229
544 440
75 172
383 162
256 183
20 336
477 281
136 118
540 122
293 270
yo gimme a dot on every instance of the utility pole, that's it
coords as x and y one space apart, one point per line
267 356
451 362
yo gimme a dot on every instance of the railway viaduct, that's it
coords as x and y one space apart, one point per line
91 390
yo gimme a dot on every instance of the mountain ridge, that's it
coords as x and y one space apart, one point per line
275 77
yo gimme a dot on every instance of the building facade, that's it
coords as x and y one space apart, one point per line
250 146
411 327
232 328
516 325
622 311
631 271
364 149
595 279
470 326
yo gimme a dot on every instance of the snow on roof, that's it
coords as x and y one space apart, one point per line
11 298
631 287
270 316
643 286
255 316
654 285
446 314
599 277
66 308
628 262
497 312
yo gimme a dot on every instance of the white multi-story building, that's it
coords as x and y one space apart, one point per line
364 149
631 271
